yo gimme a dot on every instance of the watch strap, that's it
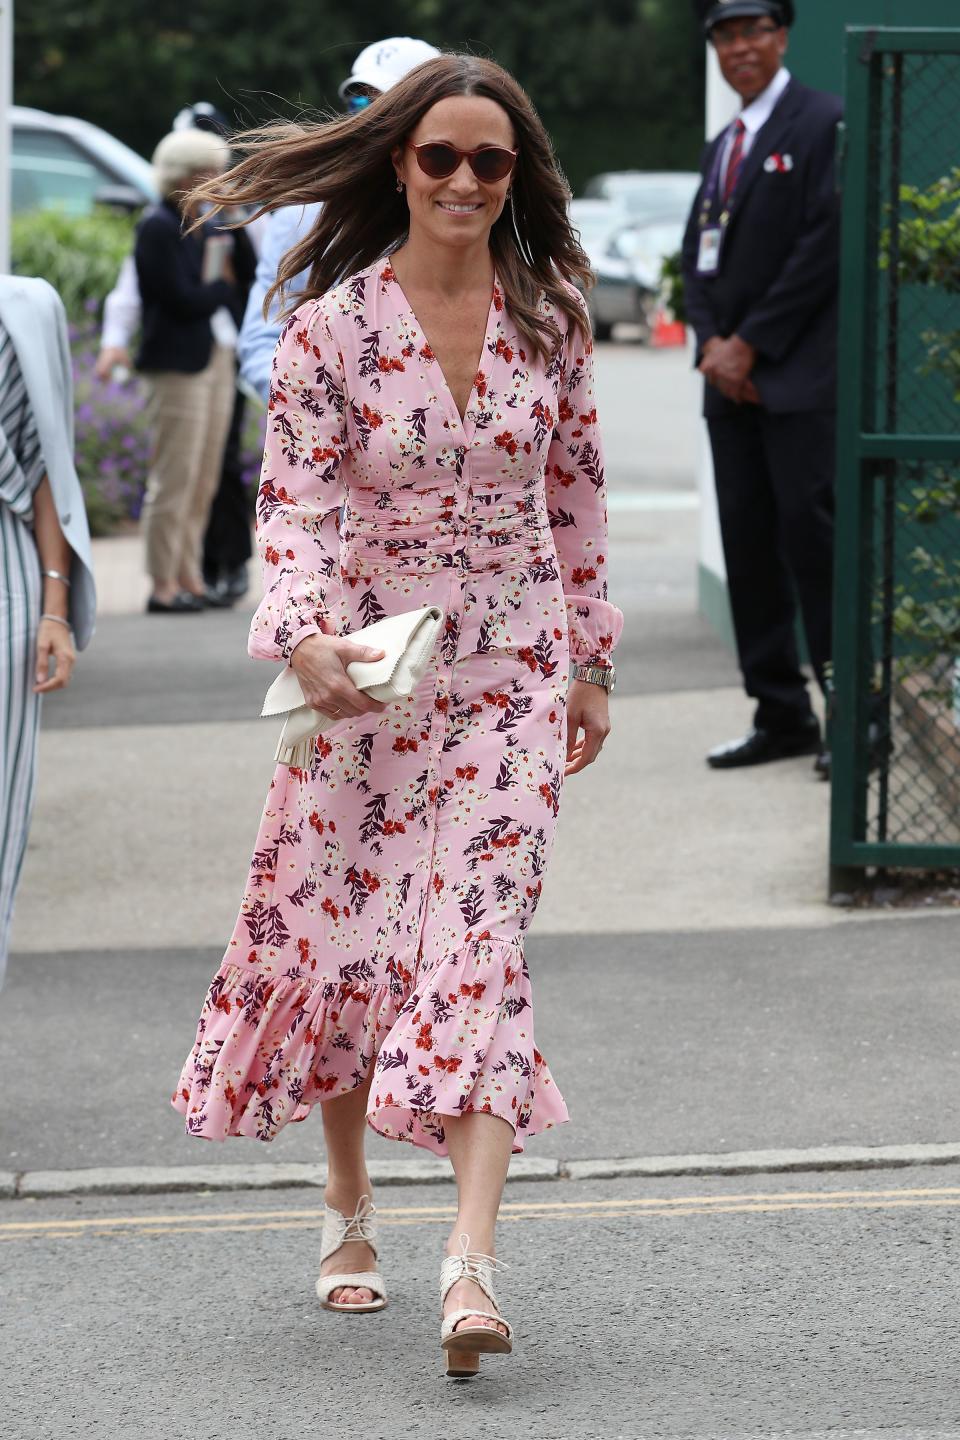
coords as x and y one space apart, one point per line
595 675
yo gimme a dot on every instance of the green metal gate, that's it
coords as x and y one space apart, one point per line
895 723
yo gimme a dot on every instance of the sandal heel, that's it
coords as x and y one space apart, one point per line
462 1364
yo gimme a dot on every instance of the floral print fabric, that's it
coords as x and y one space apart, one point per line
392 882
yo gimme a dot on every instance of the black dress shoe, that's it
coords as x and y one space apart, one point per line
761 746
215 598
235 583
182 603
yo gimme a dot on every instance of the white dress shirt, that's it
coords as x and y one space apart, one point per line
754 117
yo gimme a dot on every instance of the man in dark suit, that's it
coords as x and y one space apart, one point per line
761 272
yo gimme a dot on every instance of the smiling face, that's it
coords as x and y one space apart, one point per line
461 209
750 54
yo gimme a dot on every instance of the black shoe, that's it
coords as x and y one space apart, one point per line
823 765
761 746
215 598
234 583
182 603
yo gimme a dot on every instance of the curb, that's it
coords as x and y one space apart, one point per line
203 1179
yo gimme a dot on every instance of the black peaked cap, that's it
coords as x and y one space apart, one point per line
713 11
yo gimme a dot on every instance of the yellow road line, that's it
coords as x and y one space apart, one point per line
640 1208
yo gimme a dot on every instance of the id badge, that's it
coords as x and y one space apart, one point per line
708 260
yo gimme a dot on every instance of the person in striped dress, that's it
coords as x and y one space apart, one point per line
42 560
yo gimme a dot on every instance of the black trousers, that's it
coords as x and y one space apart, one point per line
774 476
226 543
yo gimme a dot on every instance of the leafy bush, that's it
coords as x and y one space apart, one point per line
671 279
927 614
929 242
80 255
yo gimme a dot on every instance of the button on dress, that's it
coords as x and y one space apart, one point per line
393 881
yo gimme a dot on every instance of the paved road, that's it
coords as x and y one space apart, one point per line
671 1309
661 1043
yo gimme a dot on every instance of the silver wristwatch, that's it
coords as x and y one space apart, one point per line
604 675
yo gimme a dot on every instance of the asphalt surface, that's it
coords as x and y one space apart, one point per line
661 1044
738 1308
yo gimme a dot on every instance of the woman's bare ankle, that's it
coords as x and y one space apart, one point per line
480 1243
344 1192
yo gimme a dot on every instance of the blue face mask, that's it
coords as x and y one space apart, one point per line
356 103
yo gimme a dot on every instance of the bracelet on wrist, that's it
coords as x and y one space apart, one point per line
59 620
56 575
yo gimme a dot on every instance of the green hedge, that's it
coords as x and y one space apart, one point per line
80 255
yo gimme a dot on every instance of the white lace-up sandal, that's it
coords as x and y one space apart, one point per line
464 1347
337 1230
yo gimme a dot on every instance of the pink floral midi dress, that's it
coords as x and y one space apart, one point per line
383 920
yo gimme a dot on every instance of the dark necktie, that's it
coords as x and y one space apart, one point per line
735 163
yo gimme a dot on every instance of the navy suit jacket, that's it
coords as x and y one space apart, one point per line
778 282
177 302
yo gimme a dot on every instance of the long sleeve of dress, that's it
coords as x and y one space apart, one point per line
301 488
577 506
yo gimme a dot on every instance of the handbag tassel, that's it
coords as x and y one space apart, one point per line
299 756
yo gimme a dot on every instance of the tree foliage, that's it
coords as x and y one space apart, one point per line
619 83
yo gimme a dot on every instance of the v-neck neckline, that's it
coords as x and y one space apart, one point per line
434 360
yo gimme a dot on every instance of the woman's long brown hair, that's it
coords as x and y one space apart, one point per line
346 164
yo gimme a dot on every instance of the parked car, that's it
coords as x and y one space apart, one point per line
58 162
627 262
647 195
616 294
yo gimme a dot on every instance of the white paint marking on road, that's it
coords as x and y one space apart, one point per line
645 500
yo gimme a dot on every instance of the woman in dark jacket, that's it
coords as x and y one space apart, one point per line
191 286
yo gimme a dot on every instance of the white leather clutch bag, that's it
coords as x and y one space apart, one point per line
408 641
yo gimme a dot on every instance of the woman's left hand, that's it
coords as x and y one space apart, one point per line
588 710
54 642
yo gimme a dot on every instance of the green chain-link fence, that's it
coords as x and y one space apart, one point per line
896 709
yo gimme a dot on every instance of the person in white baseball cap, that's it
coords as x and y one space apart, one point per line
375 69
382 64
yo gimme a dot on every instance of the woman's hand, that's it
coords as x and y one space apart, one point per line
588 709
54 642
321 664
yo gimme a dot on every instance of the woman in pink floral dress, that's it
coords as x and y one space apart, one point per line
432 440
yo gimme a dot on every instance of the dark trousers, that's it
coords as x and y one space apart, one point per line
226 544
774 476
